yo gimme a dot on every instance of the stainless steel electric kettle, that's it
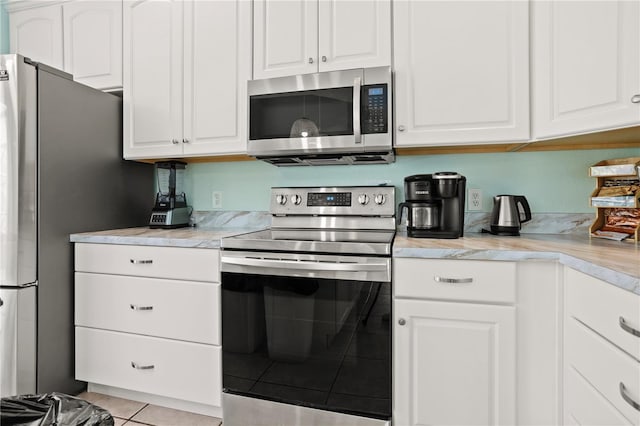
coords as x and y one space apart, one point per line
508 214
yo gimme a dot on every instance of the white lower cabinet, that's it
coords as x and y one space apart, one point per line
601 352
454 359
584 405
165 367
454 363
148 321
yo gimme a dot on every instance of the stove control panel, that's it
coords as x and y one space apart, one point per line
337 200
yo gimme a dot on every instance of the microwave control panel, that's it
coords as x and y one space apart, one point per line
374 109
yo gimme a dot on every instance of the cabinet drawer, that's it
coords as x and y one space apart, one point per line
604 366
183 370
477 281
601 305
585 406
183 310
149 261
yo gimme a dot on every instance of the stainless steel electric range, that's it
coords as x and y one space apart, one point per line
306 307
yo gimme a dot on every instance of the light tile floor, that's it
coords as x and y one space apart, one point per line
132 413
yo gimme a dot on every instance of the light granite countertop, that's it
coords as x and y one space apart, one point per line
143 236
615 262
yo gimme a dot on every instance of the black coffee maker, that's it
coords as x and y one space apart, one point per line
435 205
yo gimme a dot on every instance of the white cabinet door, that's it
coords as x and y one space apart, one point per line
454 363
586 62
461 72
152 89
37 34
354 34
93 42
217 65
285 37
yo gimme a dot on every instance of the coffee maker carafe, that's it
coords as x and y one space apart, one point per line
435 205
170 209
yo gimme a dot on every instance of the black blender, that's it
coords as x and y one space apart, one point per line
170 210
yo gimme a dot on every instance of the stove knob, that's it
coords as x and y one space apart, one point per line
379 199
363 199
281 199
296 199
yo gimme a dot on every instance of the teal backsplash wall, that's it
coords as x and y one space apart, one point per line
553 182
4 29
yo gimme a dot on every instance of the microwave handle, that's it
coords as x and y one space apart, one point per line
357 133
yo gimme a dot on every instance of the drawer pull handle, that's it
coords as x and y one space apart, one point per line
141 262
142 367
628 329
452 280
631 402
141 308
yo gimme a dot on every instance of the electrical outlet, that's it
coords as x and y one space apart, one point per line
475 199
216 199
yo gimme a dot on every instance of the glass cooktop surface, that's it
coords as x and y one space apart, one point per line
313 240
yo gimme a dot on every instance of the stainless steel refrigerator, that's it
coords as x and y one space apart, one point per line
61 172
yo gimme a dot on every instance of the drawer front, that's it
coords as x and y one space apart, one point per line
476 281
604 366
601 305
190 264
183 310
585 406
183 370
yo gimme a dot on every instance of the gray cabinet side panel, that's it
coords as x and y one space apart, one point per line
84 185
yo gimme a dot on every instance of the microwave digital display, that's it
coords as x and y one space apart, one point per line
374 109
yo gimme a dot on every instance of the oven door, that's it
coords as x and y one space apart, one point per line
308 330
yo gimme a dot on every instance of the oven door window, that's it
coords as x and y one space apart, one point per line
306 114
321 343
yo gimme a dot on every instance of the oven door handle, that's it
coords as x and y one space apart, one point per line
306 265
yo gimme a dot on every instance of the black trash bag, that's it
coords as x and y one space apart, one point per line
55 409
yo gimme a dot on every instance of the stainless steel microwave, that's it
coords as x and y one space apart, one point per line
337 117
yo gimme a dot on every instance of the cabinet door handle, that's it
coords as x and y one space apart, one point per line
142 367
401 128
324 58
439 279
628 329
141 308
141 262
402 321
310 60
175 141
185 140
626 397
635 99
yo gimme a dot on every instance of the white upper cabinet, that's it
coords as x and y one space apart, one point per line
93 42
306 36
186 69
152 78
586 63
37 34
82 37
285 38
217 65
353 34
461 72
